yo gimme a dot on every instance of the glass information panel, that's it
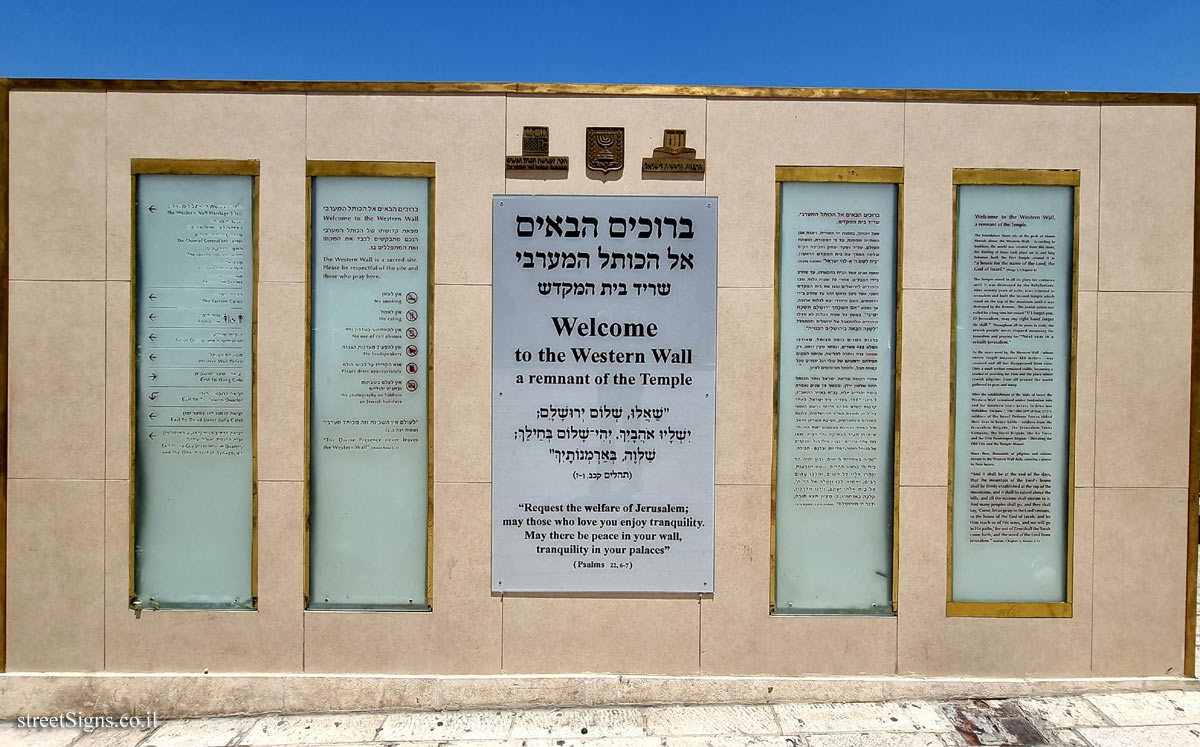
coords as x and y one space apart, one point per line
836 421
194 439
1013 275
603 376
369 406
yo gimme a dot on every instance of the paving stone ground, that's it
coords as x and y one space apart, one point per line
1102 720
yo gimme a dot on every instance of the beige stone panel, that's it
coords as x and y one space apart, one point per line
56 185
280 386
1141 556
644 120
939 138
268 128
1142 389
924 388
462 135
1147 197
267 640
462 383
462 633
56 380
1085 389
739 636
930 643
745 377
748 139
118 372
546 635
55 619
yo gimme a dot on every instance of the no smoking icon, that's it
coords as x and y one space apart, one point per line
411 297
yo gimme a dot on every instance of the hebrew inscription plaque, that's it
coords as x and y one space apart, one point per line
604 365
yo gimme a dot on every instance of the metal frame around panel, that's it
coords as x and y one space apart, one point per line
193 167
404 169
843 174
1019 177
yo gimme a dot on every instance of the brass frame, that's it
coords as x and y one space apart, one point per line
1020 177
846 174
1193 503
404 169
192 167
603 89
4 136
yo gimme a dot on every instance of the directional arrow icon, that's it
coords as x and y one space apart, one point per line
151 317
154 377
152 416
153 357
153 337
151 208
153 435
152 296
153 395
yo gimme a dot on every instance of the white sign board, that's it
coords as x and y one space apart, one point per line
603 389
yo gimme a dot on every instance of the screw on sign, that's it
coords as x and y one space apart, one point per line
412 385
411 332
411 297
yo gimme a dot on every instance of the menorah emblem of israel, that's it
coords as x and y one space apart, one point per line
605 149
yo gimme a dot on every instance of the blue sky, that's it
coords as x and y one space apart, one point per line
1105 45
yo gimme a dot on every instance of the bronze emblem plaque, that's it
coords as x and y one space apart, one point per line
673 157
535 153
605 149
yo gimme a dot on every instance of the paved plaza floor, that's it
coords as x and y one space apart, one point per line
1101 720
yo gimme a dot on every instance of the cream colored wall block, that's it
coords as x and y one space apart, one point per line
56 185
1142 389
1148 197
745 399
925 388
280 370
546 635
55 604
1085 389
56 380
117 372
462 383
1141 548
